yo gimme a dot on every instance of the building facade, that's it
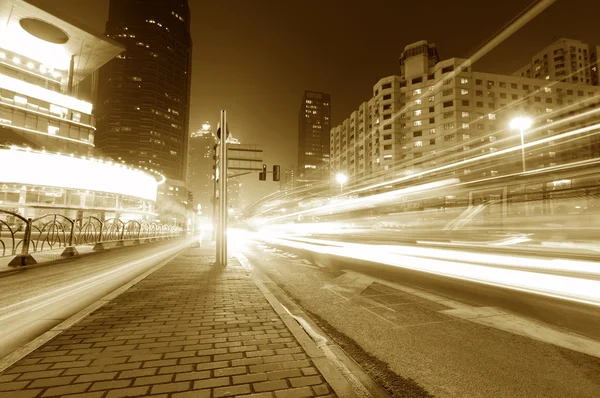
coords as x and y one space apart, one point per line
47 126
437 113
313 136
143 103
565 60
200 168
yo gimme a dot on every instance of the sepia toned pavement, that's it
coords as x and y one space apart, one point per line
190 329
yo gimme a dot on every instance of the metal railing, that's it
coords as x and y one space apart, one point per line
20 236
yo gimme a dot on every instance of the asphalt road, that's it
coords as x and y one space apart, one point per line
441 336
35 299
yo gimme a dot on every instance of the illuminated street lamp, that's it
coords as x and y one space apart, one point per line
341 179
521 123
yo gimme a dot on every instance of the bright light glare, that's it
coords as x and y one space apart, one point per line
31 90
521 123
71 172
564 287
341 178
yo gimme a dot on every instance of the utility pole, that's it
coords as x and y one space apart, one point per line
223 210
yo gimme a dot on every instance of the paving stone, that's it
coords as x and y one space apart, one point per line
188 330
269 385
303 392
171 387
231 390
66 390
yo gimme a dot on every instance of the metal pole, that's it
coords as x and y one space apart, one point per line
222 244
523 150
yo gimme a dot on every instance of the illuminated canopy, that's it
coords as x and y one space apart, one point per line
91 50
51 170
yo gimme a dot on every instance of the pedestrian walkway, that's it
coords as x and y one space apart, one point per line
190 329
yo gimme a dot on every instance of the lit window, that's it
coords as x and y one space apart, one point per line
464 91
431 88
465 115
464 80
52 130
417 123
30 65
494 173
548 110
418 143
417 91
417 112
20 100
17 60
547 89
58 110
2 55
465 126
432 98
387 157
431 131
418 102
491 116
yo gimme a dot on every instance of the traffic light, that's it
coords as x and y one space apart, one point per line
262 176
276 172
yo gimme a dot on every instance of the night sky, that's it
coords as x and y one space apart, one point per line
255 58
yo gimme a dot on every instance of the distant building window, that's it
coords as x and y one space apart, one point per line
417 91
418 143
417 123
464 91
448 104
464 80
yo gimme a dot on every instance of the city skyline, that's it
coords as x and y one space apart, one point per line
261 92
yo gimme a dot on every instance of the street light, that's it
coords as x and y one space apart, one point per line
341 179
521 123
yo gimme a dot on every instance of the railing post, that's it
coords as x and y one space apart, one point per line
99 246
25 258
136 241
121 242
70 250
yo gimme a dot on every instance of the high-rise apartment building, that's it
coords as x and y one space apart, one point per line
200 167
565 60
313 136
143 104
436 113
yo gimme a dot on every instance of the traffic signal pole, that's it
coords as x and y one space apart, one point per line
222 211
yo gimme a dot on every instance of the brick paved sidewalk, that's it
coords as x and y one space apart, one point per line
190 329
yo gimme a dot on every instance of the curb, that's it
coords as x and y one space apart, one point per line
343 374
33 345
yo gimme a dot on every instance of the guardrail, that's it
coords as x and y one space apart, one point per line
22 236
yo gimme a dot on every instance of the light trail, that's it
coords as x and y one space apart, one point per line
56 295
481 268
482 157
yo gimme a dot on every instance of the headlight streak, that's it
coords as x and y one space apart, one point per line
470 266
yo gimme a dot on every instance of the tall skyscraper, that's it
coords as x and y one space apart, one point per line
143 104
313 136
200 168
